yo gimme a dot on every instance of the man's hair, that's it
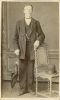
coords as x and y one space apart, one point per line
29 5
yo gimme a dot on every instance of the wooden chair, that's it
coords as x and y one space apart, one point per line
43 69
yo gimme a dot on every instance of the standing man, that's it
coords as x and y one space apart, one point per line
28 37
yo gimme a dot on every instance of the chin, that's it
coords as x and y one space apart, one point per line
27 16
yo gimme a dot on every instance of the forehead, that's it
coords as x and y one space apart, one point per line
27 7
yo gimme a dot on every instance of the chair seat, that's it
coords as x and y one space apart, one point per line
45 75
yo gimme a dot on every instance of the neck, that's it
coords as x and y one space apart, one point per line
28 21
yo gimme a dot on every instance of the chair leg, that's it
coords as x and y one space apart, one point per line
50 86
36 86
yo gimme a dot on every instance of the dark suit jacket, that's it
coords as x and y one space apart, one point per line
36 33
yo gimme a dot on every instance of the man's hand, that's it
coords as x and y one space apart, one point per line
36 44
17 52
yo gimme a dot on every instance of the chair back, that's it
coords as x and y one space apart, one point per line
42 57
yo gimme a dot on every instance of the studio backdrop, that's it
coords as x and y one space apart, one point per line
47 13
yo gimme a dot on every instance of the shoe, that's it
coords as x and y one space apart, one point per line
22 92
30 91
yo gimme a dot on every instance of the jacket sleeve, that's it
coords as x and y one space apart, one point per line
39 33
16 37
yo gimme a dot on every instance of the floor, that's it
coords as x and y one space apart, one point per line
7 91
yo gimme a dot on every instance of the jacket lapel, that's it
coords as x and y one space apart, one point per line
23 27
31 29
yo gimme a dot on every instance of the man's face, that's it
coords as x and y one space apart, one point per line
28 11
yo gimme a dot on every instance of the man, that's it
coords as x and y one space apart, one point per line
28 37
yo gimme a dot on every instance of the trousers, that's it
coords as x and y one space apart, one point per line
26 74
26 71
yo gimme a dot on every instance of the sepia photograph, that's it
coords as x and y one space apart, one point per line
29 49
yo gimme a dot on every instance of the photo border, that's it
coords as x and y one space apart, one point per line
0 48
